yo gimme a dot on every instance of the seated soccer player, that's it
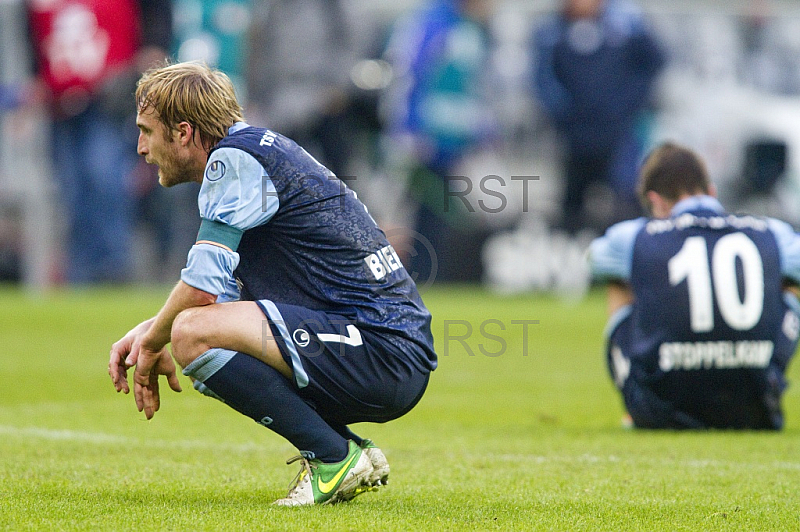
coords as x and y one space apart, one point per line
703 318
293 308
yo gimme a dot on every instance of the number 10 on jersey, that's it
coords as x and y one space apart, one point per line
740 311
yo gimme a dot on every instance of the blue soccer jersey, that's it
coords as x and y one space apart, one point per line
277 225
711 329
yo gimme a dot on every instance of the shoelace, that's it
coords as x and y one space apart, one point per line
305 468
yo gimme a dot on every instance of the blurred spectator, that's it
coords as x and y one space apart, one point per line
437 113
305 99
89 54
10 246
10 97
596 61
770 45
214 32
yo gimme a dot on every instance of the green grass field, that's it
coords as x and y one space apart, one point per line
514 436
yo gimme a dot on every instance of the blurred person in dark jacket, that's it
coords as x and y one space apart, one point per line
307 99
596 63
89 54
437 113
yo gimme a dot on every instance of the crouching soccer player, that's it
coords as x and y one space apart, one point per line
704 321
293 308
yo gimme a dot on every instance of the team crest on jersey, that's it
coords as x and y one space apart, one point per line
215 171
301 337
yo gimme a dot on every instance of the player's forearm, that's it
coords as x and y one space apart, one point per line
182 297
619 294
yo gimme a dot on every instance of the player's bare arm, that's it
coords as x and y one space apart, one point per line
182 297
145 347
619 294
792 288
154 359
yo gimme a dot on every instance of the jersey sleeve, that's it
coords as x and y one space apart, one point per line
236 195
611 255
236 191
788 248
209 268
231 293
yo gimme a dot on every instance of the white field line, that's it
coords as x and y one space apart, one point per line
613 459
100 438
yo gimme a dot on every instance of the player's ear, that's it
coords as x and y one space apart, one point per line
712 190
659 206
185 133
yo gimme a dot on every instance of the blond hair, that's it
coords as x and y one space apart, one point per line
194 93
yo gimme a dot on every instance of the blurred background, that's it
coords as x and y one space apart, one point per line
490 139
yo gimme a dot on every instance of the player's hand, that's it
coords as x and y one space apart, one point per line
149 366
117 369
124 354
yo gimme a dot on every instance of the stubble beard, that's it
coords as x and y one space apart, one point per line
177 171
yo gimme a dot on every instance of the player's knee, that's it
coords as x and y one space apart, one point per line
187 336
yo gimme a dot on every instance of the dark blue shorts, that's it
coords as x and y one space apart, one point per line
698 399
348 374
